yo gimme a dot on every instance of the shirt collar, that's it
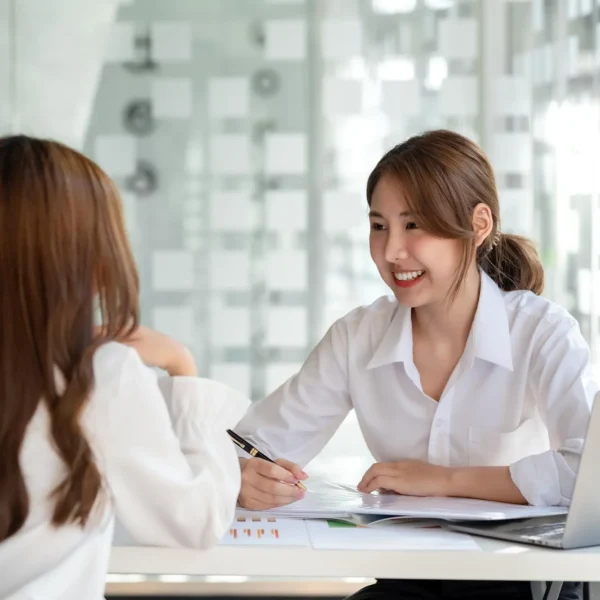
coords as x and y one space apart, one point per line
490 333
396 344
489 339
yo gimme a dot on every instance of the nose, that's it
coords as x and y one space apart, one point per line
395 249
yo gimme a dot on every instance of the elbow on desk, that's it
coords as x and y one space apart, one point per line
202 524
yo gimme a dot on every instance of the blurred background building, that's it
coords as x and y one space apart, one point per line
241 134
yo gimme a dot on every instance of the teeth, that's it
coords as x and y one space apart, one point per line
408 276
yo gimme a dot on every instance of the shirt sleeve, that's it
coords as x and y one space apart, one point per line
562 379
171 467
296 420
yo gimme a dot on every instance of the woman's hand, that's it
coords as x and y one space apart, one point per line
159 350
267 485
408 477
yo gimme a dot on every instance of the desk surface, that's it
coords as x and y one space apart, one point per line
494 561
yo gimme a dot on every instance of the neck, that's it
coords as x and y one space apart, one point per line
450 320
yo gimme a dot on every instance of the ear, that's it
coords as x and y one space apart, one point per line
483 223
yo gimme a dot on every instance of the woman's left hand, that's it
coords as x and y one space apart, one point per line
408 477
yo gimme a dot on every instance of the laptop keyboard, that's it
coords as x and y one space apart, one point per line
539 531
544 531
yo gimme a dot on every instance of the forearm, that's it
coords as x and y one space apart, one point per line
484 483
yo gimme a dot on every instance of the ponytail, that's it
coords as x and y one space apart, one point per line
514 264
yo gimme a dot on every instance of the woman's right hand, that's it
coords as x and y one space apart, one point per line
267 485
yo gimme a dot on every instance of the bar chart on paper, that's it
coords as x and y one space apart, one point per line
249 530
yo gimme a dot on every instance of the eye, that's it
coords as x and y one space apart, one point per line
377 227
412 225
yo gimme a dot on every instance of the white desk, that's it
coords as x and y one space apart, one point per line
495 561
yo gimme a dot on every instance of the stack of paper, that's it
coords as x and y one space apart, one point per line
327 500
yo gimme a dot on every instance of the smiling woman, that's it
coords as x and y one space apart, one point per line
441 184
465 344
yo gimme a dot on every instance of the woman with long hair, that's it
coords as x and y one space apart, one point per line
465 382
87 431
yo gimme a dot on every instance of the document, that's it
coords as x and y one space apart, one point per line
250 530
330 500
332 535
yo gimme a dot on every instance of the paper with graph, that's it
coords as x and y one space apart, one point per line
252 530
330 500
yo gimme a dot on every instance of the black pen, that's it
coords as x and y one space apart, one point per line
255 452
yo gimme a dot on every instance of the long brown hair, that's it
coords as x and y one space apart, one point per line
444 176
63 255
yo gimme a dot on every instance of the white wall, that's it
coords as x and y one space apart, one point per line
60 47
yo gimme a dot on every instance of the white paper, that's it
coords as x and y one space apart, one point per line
230 326
229 270
286 327
343 211
341 39
458 38
401 98
286 210
116 154
175 321
329 499
511 152
287 270
235 375
171 98
172 271
252 530
171 41
120 45
285 154
230 154
228 97
459 97
326 536
278 373
232 211
341 97
511 95
285 39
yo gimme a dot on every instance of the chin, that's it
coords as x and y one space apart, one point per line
408 302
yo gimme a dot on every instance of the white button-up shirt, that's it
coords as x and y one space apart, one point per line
170 472
520 395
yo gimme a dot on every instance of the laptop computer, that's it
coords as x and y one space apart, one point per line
579 528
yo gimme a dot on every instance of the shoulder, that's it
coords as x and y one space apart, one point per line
359 333
372 317
112 362
540 319
537 309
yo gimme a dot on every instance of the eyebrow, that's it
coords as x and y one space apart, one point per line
374 213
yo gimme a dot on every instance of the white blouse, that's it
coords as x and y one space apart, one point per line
170 471
520 395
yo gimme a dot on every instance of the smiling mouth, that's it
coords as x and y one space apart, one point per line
408 276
